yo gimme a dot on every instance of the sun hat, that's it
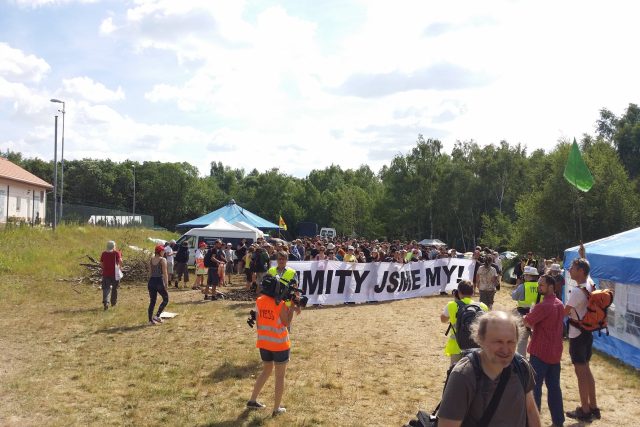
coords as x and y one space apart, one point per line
531 271
555 267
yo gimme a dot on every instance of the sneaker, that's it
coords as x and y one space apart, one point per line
595 413
253 404
578 414
157 319
152 322
280 410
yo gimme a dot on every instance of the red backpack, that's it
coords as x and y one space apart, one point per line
595 319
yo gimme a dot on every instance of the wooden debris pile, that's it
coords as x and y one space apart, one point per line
135 267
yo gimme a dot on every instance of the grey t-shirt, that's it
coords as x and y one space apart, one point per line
462 397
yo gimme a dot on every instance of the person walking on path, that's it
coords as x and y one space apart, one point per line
546 321
109 261
158 283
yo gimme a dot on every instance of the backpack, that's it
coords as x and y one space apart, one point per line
467 314
426 419
595 319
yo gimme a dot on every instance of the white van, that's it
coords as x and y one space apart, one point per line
328 233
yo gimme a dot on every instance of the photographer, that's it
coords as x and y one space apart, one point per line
286 276
272 317
462 297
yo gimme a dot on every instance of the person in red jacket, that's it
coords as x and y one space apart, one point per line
109 260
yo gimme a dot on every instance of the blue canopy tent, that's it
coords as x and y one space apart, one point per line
615 264
231 213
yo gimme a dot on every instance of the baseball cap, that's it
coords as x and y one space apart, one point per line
159 249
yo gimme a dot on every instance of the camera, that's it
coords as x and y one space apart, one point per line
279 291
252 318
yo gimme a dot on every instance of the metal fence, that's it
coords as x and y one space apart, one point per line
82 214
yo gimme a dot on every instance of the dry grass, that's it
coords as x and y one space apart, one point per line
66 362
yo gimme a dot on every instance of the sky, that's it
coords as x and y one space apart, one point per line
301 85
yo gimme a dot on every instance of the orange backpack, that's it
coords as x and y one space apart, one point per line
595 319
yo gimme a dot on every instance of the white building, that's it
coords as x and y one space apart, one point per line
22 194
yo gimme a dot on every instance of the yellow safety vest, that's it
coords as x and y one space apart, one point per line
452 346
530 295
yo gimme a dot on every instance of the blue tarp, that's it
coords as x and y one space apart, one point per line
231 213
617 259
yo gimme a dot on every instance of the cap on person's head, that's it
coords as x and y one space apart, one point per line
228 244
531 271
555 267
349 248
202 245
331 246
172 241
159 249
111 245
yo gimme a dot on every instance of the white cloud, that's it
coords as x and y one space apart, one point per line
18 66
40 3
90 90
107 26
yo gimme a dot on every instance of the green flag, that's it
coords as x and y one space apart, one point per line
576 171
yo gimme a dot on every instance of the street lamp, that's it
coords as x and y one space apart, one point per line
134 193
55 173
61 155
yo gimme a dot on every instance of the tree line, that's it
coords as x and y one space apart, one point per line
498 195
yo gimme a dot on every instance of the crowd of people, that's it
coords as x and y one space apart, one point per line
536 327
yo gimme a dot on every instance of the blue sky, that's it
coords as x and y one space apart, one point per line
301 85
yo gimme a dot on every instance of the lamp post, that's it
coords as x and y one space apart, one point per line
55 174
61 154
134 193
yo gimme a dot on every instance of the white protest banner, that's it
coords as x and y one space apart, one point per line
337 282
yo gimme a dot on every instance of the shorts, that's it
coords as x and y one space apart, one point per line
487 297
580 348
182 270
212 277
274 356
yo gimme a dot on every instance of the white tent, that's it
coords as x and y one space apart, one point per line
245 226
615 264
221 224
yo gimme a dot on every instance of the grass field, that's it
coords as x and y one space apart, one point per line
64 361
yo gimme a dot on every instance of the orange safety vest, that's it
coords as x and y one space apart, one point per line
272 334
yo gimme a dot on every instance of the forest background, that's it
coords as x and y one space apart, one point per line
497 195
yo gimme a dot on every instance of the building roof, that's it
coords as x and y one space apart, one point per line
10 170
231 213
